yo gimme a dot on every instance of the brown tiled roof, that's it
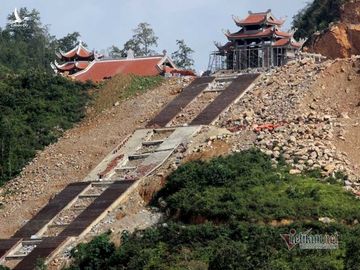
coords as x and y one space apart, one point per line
286 42
100 70
251 34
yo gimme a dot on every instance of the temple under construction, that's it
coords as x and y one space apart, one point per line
259 44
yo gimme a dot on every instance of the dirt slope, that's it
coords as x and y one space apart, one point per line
75 154
338 92
342 39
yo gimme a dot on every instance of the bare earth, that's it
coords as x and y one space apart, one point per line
337 92
75 154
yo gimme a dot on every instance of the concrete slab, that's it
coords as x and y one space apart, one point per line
119 154
153 162
178 136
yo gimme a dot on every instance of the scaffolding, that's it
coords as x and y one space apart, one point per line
217 62
247 58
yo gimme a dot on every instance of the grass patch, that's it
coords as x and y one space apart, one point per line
119 88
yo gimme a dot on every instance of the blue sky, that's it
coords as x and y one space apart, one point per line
110 22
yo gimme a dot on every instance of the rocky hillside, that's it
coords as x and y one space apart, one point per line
304 114
342 39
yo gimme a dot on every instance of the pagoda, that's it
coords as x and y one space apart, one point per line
260 43
74 60
83 65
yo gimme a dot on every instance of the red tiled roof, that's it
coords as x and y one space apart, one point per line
100 70
255 34
282 42
256 18
227 46
72 65
251 34
285 42
66 66
82 64
83 52
275 21
259 18
183 72
79 51
282 34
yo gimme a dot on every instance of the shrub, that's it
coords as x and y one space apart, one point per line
231 210
35 109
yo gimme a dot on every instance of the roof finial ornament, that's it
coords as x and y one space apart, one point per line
250 12
164 52
235 18
226 32
130 54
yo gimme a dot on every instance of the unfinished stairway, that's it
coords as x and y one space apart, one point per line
180 102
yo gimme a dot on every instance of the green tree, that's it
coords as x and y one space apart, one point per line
28 45
316 16
142 41
94 255
182 57
116 52
69 41
35 108
352 257
40 264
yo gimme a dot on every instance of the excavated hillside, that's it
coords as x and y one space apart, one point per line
79 151
342 39
305 114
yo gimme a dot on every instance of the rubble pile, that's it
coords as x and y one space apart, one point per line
284 130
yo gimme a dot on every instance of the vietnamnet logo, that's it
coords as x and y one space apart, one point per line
306 240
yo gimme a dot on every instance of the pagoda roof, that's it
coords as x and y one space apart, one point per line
227 46
99 70
258 18
78 51
283 42
257 34
71 66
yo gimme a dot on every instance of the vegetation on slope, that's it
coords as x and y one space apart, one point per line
36 108
316 16
121 87
229 213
